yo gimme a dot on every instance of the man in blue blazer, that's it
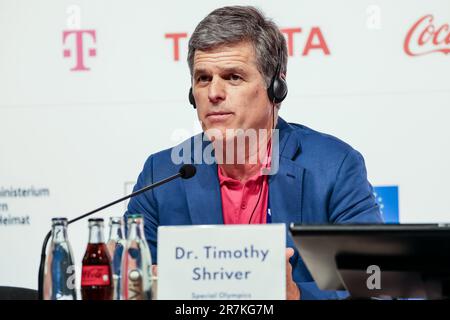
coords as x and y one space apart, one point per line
238 61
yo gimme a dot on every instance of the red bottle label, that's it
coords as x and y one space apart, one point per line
95 276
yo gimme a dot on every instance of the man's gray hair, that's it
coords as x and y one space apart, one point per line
229 25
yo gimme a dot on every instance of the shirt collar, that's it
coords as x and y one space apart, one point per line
254 179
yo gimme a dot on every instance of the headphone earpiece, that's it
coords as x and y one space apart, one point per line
277 91
191 98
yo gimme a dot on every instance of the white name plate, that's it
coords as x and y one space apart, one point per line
222 262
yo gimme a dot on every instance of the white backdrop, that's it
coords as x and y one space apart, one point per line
76 139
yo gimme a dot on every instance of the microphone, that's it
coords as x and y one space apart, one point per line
187 171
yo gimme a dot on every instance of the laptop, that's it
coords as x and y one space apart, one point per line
383 260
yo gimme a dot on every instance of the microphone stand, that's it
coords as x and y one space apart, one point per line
181 173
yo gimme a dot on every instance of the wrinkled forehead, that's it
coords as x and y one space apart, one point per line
239 55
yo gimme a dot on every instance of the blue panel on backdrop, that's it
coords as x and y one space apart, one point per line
387 198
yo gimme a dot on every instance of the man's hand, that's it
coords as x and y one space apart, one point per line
292 290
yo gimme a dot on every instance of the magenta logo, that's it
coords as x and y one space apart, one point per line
79 37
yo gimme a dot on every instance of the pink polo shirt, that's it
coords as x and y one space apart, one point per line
244 203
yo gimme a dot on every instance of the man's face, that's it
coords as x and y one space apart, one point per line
229 91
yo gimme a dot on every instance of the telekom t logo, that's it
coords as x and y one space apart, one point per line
78 53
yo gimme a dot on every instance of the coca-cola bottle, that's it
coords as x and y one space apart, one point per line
59 276
96 277
136 262
115 245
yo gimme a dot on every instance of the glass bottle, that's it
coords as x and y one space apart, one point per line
96 278
115 245
59 278
136 262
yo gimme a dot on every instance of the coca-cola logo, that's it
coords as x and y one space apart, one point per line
425 37
95 275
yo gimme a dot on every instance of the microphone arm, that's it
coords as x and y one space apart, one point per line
186 171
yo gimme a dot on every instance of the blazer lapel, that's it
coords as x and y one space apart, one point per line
203 192
286 186
285 193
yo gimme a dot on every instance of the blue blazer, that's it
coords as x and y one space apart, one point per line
320 180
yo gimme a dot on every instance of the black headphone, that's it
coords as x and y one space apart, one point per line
277 90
